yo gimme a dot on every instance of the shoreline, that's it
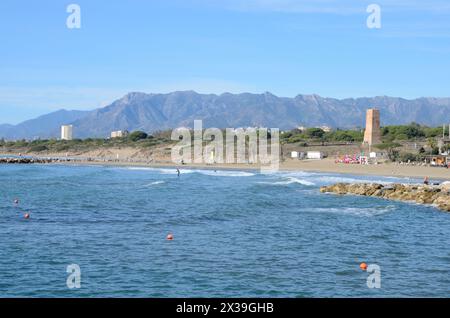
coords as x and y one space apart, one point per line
322 166
316 166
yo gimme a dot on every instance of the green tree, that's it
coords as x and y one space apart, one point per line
315 133
137 135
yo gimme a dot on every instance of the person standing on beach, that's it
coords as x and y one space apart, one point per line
178 172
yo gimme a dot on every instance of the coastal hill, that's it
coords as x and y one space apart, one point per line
153 112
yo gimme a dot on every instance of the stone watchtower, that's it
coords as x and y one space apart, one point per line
372 134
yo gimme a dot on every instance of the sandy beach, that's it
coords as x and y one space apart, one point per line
385 169
160 157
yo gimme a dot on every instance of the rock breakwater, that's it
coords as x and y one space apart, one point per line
23 160
436 195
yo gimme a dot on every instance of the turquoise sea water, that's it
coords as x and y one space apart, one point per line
236 233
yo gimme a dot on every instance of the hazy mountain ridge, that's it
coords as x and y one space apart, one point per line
45 126
152 112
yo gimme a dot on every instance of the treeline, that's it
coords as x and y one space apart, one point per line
411 132
318 134
391 135
134 139
394 154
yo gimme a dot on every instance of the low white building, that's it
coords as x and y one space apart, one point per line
66 132
119 133
294 154
314 155
325 128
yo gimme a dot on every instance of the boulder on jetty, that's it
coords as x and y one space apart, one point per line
436 195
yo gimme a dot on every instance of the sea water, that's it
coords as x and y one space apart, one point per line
236 234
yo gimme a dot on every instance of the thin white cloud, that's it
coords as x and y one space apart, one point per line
424 34
297 6
341 7
434 6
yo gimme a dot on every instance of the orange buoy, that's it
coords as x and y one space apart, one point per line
27 216
169 237
363 266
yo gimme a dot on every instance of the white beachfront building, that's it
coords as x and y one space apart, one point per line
316 155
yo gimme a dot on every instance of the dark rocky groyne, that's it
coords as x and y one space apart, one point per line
24 160
436 195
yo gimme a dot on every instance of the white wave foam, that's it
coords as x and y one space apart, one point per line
290 180
289 173
174 171
328 178
338 179
365 212
218 173
156 183
161 170
137 168
223 173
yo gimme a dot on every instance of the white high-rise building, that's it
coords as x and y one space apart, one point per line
66 132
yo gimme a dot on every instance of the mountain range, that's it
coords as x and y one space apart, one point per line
152 112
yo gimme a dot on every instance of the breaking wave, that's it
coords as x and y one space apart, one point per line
155 183
223 173
288 181
363 212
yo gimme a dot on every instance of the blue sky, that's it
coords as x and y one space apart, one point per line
286 47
